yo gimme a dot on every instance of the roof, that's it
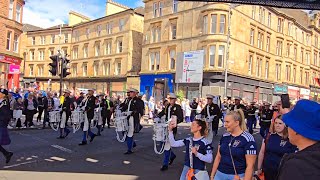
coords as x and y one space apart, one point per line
300 16
58 26
140 10
29 27
80 15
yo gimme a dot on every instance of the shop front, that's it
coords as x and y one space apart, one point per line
304 93
156 85
315 93
9 71
279 89
294 93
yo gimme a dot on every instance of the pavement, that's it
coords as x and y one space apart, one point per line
39 155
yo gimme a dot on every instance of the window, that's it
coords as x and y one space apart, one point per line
119 46
250 64
278 47
222 23
41 55
252 37
40 70
65 38
302 37
16 43
269 19
205 25
87 33
253 13
160 8
174 31
108 48
52 39
267 69
18 13
294 74
213 23
313 78
307 58
158 34
109 28
118 68
295 53
288 72
96 68
172 54
106 68
8 46
85 51
280 25
32 55
307 77
268 44
278 72
296 34
74 70
301 75
175 6
76 36
64 51
221 56
204 56
51 52
316 41
33 40
259 66
31 70
11 9
154 60
289 28
157 60
261 15
315 59
75 53
99 30
288 50
260 40
97 49
42 40
84 69
302 52
155 9
212 55
308 39
121 24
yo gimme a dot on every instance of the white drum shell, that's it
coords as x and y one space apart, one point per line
54 117
160 132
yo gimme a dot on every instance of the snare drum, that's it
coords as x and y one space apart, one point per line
160 132
121 123
77 117
54 116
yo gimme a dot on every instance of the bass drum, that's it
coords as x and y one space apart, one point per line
121 126
54 120
160 136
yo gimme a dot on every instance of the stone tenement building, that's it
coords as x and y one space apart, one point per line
10 30
105 53
272 51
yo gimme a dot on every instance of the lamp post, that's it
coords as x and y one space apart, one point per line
231 6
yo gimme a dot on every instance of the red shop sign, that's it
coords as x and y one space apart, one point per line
10 60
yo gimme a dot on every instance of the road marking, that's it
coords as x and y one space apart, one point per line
62 148
58 159
15 165
92 160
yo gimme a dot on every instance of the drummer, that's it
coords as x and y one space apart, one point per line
66 108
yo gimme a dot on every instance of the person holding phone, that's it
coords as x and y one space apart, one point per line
200 148
237 150
172 109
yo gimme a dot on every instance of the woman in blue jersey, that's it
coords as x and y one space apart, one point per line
201 149
273 148
237 150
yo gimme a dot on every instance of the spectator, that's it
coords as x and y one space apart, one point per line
30 109
187 111
273 148
193 107
304 131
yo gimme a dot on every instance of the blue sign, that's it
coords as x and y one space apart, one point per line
280 89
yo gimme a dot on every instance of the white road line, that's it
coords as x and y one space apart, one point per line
62 148
15 165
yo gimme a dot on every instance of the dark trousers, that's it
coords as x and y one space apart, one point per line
250 122
215 126
4 152
108 114
18 125
40 108
264 129
270 174
29 118
46 117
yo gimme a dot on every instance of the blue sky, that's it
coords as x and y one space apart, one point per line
47 13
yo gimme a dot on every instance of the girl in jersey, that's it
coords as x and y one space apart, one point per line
237 150
273 149
201 149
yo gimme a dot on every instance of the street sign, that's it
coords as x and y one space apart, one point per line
189 67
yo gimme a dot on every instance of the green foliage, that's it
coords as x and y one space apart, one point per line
180 95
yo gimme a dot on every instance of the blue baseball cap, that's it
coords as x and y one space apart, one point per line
304 119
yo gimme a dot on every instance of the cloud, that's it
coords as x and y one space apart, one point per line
48 13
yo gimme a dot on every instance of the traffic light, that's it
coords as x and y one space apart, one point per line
65 72
54 65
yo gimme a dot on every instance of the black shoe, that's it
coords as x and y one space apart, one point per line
92 137
102 129
134 145
83 143
8 157
108 127
171 160
67 134
60 137
128 152
164 168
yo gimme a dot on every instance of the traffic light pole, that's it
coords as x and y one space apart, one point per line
61 74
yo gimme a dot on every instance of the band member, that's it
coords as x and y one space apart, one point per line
5 116
171 109
98 113
80 98
126 101
137 123
65 113
89 106
107 109
193 106
251 116
237 105
48 104
265 119
212 113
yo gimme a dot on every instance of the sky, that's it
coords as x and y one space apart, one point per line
48 13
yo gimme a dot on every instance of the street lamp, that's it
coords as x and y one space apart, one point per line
231 6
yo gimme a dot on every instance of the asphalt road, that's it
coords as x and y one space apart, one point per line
38 155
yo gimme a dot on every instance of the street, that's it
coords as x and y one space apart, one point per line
38 155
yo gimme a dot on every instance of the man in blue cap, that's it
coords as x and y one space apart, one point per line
304 131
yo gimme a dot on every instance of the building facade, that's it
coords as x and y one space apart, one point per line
270 49
105 53
11 12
